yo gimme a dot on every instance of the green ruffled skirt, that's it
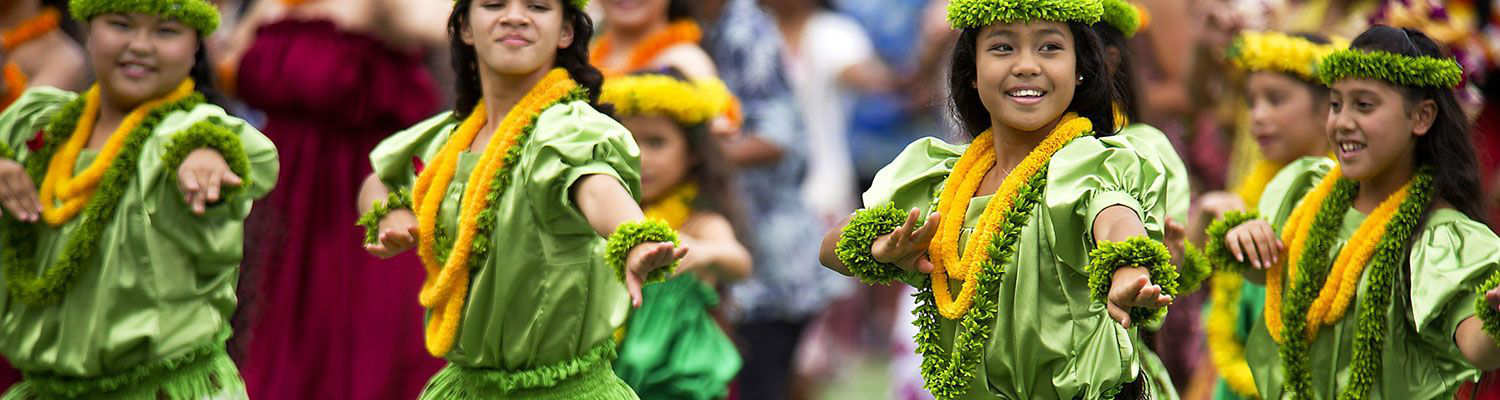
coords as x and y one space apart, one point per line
206 373
673 349
587 377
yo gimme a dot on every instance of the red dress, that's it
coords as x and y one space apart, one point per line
326 319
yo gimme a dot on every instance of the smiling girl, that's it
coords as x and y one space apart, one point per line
1034 263
508 200
120 269
1368 283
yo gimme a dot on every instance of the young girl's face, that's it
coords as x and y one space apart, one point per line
634 14
138 57
1372 127
666 156
1286 117
517 37
1026 73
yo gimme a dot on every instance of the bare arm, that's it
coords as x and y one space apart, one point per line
751 151
827 253
715 249
1476 345
606 204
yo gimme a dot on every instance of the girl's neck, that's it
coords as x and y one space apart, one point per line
501 93
791 20
111 113
1013 145
1374 190
626 38
18 13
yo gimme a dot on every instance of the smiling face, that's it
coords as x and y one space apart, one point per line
1026 73
1286 117
138 57
1373 127
665 154
634 14
517 37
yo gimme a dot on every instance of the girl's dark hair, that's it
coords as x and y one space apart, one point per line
678 10
1446 148
1124 75
1092 99
203 75
713 172
574 58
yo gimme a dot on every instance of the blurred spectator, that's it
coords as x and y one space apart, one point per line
788 286
333 77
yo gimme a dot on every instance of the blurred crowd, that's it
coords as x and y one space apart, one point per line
831 91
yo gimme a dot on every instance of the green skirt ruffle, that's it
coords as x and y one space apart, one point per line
673 349
204 373
586 377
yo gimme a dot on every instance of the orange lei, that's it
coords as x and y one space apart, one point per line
953 204
678 33
74 192
447 284
1343 279
15 84
33 28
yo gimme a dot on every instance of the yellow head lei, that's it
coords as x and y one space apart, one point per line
1280 52
965 14
686 102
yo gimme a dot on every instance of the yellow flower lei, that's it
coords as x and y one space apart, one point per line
953 204
1225 348
1280 52
1343 279
686 102
60 185
1254 183
676 208
447 284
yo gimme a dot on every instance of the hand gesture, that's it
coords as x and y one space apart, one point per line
18 193
643 259
200 177
906 247
1256 241
1132 287
398 233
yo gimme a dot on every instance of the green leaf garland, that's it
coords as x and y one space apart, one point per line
965 14
395 200
859 235
18 254
1424 72
1195 269
1482 309
630 234
206 135
948 373
1216 250
198 14
1133 252
1313 267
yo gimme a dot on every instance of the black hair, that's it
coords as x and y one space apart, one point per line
1093 99
203 75
678 10
574 58
1446 148
1124 78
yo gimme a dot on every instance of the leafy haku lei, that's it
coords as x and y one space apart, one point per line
988 251
1422 71
1133 252
688 103
966 14
96 196
630 234
447 283
395 200
1123 16
201 15
1279 52
859 235
1380 239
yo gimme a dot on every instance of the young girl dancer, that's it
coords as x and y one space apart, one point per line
508 201
123 233
1059 222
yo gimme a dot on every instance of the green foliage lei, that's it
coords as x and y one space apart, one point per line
1134 252
198 14
965 14
396 200
206 135
630 234
948 373
18 253
1216 250
1317 260
1424 72
1122 16
859 235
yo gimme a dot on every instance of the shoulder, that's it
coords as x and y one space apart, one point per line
706 222
689 58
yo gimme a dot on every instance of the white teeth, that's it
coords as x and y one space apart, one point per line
1026 93
1348 147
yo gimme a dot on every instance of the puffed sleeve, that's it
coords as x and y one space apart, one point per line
1090 175
915 178
397 158
572 141
1452 255
1289 186
28 115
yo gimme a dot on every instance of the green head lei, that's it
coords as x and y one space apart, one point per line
1122 15
199 14
1422 71
582 5
965 14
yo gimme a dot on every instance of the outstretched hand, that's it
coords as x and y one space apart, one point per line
906 247
1132 287
643 259
201 176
